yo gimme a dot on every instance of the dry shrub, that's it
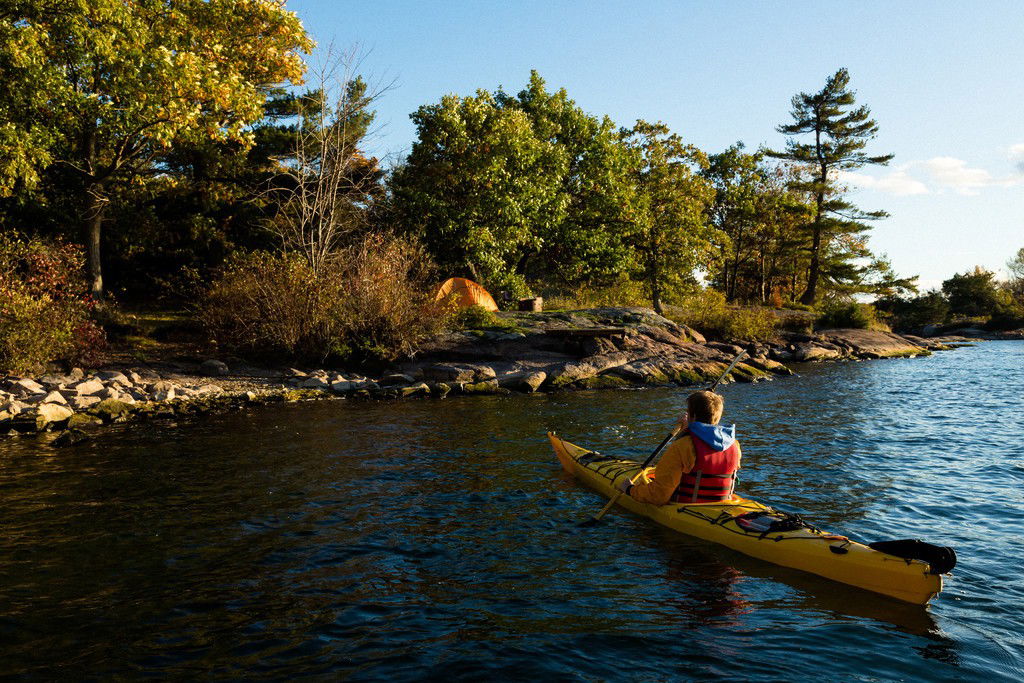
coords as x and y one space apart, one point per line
388 305
370 301
45 308
707 312
623 292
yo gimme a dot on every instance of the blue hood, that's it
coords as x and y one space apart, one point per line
716 436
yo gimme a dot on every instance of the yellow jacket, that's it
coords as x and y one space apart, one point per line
678 459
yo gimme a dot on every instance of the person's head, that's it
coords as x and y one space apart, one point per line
704 406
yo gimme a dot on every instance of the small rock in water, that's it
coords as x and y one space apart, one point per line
51 413
70 438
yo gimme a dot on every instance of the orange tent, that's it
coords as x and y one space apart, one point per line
466 293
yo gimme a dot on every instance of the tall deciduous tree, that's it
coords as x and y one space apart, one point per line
669 232
106 86
840 133
480 188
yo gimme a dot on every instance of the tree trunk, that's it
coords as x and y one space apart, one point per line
811 293
96 204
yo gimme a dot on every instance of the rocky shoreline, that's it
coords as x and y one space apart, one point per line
527 352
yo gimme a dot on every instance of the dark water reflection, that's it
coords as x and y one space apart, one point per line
434 539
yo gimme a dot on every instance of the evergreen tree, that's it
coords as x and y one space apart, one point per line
841 132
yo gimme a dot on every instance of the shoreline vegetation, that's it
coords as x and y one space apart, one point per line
152 169
600 348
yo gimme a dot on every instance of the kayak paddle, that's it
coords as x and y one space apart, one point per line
675 432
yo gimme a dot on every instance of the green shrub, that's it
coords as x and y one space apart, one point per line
913 314
478 318
370 302
623 292
45 309
849 314
707 312
1006 316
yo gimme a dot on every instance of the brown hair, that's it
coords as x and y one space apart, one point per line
705 406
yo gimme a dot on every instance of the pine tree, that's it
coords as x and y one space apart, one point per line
841 132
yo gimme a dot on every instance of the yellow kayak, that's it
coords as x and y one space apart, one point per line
757 530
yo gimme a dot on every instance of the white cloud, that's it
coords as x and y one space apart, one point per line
898 182
955 174
935 174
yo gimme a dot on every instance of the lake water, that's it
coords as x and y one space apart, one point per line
436 539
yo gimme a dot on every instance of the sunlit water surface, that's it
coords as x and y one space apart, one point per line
436 539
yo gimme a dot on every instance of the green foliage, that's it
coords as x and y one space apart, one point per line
668 232
106 87
479 318
912 314
840 133
1007 315
974 294
762 227
622 292
44 306
708 313
368 303
1015 285
848 314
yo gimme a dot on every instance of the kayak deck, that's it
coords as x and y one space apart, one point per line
809 549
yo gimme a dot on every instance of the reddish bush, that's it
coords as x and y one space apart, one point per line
45 309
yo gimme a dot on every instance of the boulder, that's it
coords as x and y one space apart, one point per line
88 387
314 382
23 386
113 377
54 397
440 390
292 372
395 379
641 372
111 410
458 372
52 414
810 352
341 386
213 368
54 380
413 390
524 381
84 402
76 374
162 390
83 420
486 387
13 407
768 365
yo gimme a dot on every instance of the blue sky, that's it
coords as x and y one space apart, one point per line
944 80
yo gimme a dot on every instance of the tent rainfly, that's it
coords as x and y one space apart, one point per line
466 293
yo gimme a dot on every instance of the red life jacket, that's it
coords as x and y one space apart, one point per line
713 476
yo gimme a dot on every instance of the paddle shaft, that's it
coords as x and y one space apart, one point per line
614 499
650 459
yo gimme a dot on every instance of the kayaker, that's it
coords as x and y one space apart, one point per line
700 465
